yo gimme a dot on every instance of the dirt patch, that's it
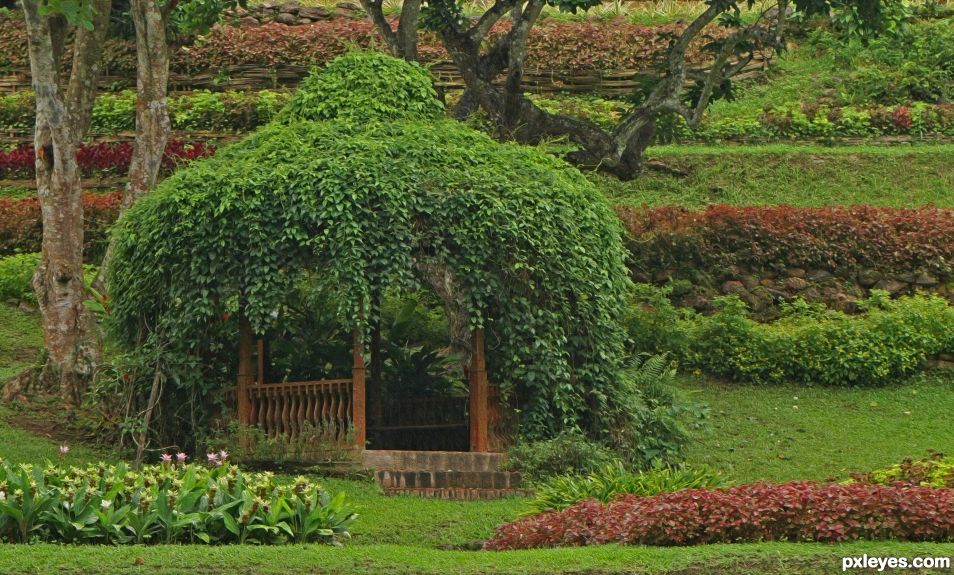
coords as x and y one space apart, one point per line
44 419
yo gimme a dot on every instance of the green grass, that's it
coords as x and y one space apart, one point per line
800 175
762 559
796 432
20 340
21 446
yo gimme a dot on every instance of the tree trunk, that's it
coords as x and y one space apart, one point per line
152 111
62 118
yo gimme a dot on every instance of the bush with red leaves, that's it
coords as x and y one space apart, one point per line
21 230
777 237
552 44
102 158
796 511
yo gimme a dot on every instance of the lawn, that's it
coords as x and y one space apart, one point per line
799 175
780 433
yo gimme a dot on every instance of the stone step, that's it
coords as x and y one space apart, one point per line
457 493
432 460
404 479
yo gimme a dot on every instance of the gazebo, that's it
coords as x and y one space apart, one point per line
365 183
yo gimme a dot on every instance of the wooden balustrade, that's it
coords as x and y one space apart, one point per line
326 406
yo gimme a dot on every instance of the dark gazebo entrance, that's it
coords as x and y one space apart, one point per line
342 411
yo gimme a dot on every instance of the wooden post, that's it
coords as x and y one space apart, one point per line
261 362
245 376
357 391
478 394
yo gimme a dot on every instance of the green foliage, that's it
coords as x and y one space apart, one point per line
199 15
363 86
372 207
16 274
251 445
935 470
569 453
890 340
615 479
650 414
164 503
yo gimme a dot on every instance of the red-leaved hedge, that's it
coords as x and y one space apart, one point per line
796 511
608 45
21 230
102 157
776 237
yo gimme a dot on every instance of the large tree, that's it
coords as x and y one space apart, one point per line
679 90
64 101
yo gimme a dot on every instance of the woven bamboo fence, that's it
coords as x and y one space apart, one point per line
446 77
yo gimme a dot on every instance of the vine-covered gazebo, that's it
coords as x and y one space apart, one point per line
365 184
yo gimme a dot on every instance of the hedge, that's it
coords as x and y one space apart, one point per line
796 511
22 232
609 45
102 158
777 237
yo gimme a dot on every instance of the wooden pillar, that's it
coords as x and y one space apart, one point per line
357 391
478 394
261 362
245 375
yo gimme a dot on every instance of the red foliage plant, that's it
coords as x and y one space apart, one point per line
608 45
796 511
102 157
21 230
776 237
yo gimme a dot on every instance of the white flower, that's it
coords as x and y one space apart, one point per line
105 503
3 496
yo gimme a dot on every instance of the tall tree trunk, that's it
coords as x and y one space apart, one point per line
62 118
152 110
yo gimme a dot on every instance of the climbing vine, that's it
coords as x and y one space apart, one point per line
375 200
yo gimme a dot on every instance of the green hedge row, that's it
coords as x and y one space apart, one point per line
232 111
889 340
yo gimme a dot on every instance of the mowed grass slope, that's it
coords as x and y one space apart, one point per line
782 433
799 175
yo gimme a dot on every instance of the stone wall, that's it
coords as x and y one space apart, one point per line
763 290
292 13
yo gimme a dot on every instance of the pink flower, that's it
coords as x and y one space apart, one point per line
180 457
213 457
224 454
64 449
166 458
219 462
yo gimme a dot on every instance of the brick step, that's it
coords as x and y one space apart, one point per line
458 493
432 460
404 479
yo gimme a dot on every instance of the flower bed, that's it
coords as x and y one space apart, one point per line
576 46
102 158
776 237
166 503
21 230
796 511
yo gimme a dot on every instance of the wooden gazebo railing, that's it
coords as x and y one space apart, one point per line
336 407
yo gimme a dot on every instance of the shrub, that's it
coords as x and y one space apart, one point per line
614 480
890 339
103 158
797 511
361 86
16 276
568 453
16 273
934 470
166 503
887 342
21 230
776 237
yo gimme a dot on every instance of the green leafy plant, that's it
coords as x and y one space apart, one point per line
569 453
172 502
933 470
613 480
